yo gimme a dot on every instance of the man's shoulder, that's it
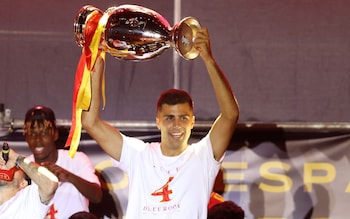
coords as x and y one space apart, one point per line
153 144
78 156
65 153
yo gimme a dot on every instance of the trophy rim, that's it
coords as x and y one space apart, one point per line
194 25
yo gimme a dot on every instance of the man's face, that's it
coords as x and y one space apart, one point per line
41 141
175 123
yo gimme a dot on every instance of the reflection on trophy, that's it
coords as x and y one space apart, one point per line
134 32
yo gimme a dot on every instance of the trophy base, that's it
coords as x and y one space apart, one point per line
184 34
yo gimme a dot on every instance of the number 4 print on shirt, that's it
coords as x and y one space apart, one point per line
164 191
51 213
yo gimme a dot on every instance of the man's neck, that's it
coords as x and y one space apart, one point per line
170 152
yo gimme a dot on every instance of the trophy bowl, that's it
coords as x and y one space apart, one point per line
136 33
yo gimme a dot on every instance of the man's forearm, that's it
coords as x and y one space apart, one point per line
91 191
46 180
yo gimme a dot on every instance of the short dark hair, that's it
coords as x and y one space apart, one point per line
173 97
226 210
40 115
83 215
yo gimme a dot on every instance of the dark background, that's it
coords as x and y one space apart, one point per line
286 60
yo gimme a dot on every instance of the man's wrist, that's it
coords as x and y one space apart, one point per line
19 161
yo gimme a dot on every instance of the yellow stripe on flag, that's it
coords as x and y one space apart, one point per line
84 93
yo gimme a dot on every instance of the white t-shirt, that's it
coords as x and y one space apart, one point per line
168 187
25 204
68 200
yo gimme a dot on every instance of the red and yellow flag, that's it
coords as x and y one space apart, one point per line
82 85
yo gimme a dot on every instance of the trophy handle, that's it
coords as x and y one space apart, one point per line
184 34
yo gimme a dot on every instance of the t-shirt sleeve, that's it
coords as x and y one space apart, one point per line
33 200
87 170
131 146
205 151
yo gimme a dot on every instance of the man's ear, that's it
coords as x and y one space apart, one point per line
193 121
56 134
157 123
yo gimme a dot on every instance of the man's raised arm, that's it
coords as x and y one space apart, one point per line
108 137
223 128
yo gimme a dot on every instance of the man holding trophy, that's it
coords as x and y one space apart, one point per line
171 178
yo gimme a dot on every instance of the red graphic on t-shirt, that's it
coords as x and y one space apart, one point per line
51 213
164 191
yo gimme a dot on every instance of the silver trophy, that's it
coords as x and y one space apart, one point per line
134 32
